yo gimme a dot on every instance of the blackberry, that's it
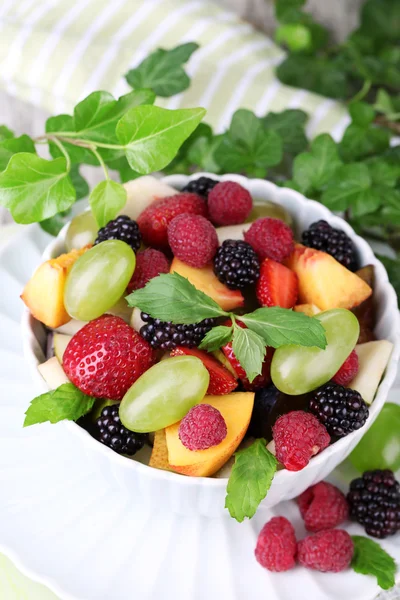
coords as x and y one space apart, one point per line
110 432
236 264
342 410
321 236
166 335
201 186
122 228
374 501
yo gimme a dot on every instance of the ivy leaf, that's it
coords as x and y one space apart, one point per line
290 126
13 145
359 142
351 188
152 135
384 103
383 172
288 11
250 480
34 189
66 402
381 19
106 200
312 170
216 338
321 75
53 225
370 558
5 133
77 155
80 184
162 71
249 349
392 266
125 172
361 113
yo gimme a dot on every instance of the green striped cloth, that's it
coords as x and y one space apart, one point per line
55 52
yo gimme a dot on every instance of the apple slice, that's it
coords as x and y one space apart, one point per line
53 373
232 232
71 328
236 408
373 358
159 455
136 320
60 341
142 192
308 309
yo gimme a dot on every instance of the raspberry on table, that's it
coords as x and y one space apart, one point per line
322 236
326 551
236 264
110 432
298 436
192 239
342 410
202 428
374 501
166 335
201 186
122 228
348 370
270 238
323 506
229 203
149 264
276 545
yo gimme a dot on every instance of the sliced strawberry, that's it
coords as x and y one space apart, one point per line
277 285
221 380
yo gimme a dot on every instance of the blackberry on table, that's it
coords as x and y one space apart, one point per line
236 264
201 186
110 432
166 335
374 501
342 410
321 236
122 228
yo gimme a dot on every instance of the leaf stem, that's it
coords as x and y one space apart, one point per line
70 137
362 92
101 161
63 150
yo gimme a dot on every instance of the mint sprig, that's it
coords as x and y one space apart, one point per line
65 402
370 558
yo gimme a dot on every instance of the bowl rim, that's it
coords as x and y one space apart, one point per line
282 476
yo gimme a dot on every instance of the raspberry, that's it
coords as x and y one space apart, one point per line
276 545
236 264
202 428
122 228
201 186
298 436
106 357
229 203
149 264
193 239
330 550
110 432
154 220
322 506
348 370
270 238
321 236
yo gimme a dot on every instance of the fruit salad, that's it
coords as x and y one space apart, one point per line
194 326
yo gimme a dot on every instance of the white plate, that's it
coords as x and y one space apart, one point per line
66 523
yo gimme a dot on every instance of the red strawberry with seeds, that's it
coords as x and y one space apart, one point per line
221 380
106 357
277 285
154 220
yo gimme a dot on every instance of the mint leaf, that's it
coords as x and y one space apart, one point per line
106 200
5 133
11 146
312 170
34 189
361 113
250 480
80 184
351 187
216 337
152 135
360 142
162 71
370 559
171 297
249 349
289 124
280 326
383 172
66 402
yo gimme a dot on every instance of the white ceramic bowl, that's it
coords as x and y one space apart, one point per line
206 496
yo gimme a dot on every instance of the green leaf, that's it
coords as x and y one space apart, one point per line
53 225
381 19
216 337
34 189
361 113
152 135
384 103
106 200
80 184
77 155
392 266
359 142
280 326
171 297
312 170
290 126
11 146
351 188
370 558
249 349
383 172
248 144
288 11
321 75
5 133
162 71
250 480
66 402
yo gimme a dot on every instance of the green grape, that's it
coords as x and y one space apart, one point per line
380 446
81 231
164 394
298 369
98 279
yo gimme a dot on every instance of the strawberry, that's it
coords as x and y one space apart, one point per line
106 357
154 220
277 285
221 380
